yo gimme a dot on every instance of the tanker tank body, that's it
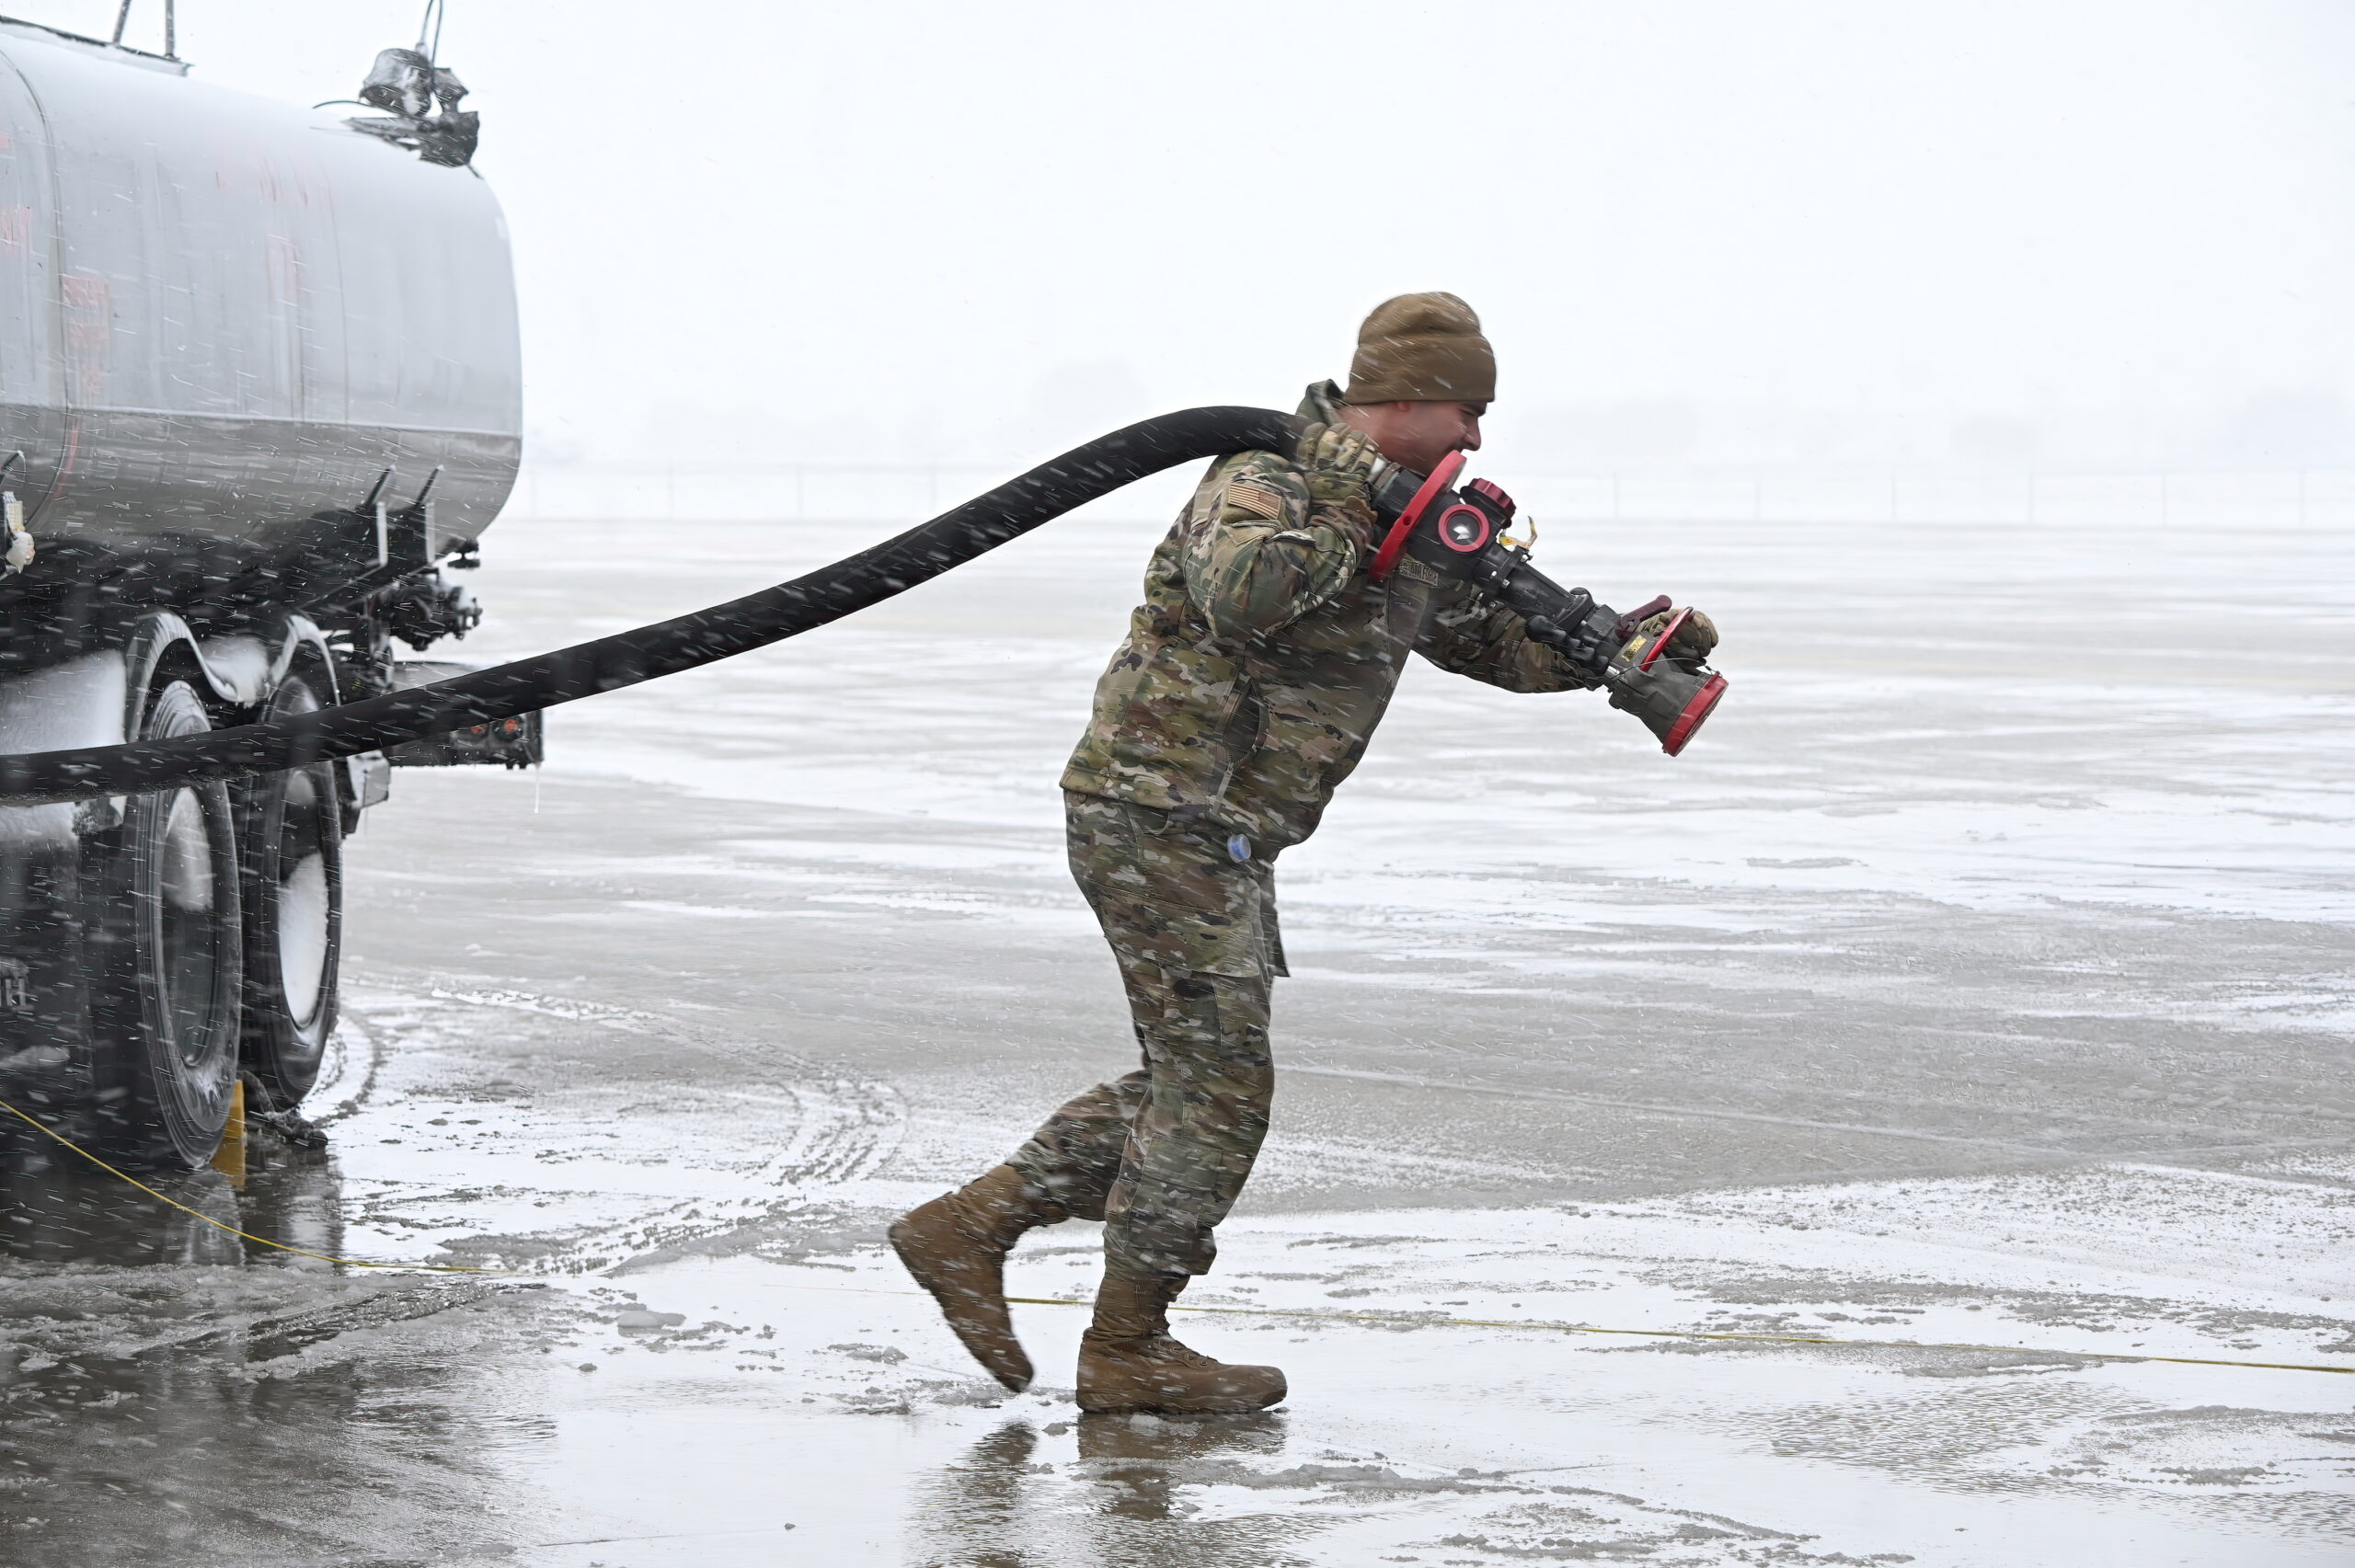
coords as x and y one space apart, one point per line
258 382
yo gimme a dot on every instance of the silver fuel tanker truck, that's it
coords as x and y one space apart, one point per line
259 386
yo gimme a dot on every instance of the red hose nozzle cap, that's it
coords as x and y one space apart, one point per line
1695 713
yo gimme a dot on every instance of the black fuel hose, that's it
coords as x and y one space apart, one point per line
810 601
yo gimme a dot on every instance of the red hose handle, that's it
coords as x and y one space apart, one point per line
1659 644
1386 560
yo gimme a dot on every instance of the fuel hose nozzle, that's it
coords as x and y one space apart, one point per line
1647 668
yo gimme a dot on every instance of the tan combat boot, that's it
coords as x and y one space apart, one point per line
955 1247
1127 1360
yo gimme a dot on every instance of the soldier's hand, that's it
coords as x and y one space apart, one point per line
1694 639
1338 460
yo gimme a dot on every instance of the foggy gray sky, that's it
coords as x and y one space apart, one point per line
1989 233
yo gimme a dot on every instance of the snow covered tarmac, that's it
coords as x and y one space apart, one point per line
1980 975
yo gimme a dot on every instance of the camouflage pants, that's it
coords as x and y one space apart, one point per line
1159 1155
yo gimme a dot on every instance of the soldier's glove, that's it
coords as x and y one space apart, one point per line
1692 640
1338 460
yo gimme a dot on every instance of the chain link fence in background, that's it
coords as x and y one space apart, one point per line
2316 498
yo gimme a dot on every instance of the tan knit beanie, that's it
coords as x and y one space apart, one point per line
1422 348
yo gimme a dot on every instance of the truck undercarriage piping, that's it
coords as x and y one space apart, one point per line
814 600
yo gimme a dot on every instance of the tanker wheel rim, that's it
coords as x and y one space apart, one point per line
303 894
189 936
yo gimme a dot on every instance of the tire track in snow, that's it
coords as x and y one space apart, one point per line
843 1128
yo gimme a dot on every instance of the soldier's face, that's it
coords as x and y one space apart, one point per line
1417 435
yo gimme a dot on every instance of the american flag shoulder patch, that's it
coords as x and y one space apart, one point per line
1249 495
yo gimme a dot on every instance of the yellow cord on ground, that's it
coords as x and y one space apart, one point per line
241 1235
1390 1319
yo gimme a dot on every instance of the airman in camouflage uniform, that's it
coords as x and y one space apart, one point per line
1252 677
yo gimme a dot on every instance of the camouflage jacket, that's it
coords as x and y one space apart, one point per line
1263 655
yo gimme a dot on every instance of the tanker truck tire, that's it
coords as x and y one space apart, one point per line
171 960
292 892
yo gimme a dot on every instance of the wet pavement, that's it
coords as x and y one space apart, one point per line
1978 980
